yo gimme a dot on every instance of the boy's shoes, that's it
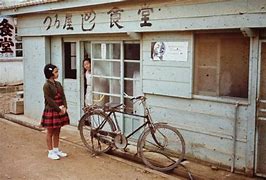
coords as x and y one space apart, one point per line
60 153
53 155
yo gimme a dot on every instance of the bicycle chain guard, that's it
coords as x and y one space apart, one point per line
120 141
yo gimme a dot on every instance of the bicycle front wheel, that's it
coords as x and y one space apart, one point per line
162 149
88 123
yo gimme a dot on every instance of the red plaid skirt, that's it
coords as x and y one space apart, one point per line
51 118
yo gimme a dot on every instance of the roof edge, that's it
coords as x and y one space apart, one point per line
52 5
25 4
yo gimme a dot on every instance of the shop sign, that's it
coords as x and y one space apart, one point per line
7 37
88 19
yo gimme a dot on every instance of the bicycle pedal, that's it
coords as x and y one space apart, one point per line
93 155
183 160
126 149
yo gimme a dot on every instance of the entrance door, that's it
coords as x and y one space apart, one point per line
261 115
116 76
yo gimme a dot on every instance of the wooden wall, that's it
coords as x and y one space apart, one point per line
207 124
166 16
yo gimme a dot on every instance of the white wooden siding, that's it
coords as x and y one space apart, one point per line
36 55
72 96
165 17
57 55
171 78
11 71
207 127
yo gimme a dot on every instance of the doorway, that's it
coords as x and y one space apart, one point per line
260 163
115 73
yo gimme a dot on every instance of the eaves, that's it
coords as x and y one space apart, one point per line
12 5
56 5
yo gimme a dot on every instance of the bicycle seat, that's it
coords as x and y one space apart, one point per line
111 106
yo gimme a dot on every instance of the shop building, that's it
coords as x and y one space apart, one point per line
200 64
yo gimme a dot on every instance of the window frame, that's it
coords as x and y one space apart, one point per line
223 99
73 72
121 61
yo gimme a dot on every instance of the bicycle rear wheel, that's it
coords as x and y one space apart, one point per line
89 136
162 149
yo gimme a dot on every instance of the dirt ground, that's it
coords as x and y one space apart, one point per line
24 156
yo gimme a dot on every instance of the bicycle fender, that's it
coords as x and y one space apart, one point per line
160 123
82 120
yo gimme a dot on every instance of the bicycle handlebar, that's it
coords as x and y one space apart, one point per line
142 98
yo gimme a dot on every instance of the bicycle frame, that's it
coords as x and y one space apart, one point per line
146 117
103 128
136 115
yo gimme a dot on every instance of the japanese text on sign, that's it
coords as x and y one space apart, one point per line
7 37
88 19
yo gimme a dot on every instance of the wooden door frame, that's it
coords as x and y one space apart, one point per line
258 95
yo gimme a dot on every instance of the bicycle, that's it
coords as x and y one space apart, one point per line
160 146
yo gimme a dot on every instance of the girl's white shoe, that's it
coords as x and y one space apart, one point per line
60 153
53 155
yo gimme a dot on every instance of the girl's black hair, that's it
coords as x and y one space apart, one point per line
48 70
87 59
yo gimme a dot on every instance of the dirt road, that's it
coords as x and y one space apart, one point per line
24 156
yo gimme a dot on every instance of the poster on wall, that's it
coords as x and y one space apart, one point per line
169 51
7 37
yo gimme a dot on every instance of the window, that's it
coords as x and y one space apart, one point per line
18 45
70 60
108 60
221 64
131 71
19 52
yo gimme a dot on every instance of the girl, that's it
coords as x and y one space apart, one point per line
87 69
55 112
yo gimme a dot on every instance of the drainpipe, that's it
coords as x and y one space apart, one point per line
234 138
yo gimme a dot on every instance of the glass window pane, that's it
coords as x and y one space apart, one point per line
114 99
73 62
87 50
131 69
97 51
100 87
113 51
73 49
19 53
234 67
132 51
70 60
221 64
105 68
18 45
128 87
115 86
